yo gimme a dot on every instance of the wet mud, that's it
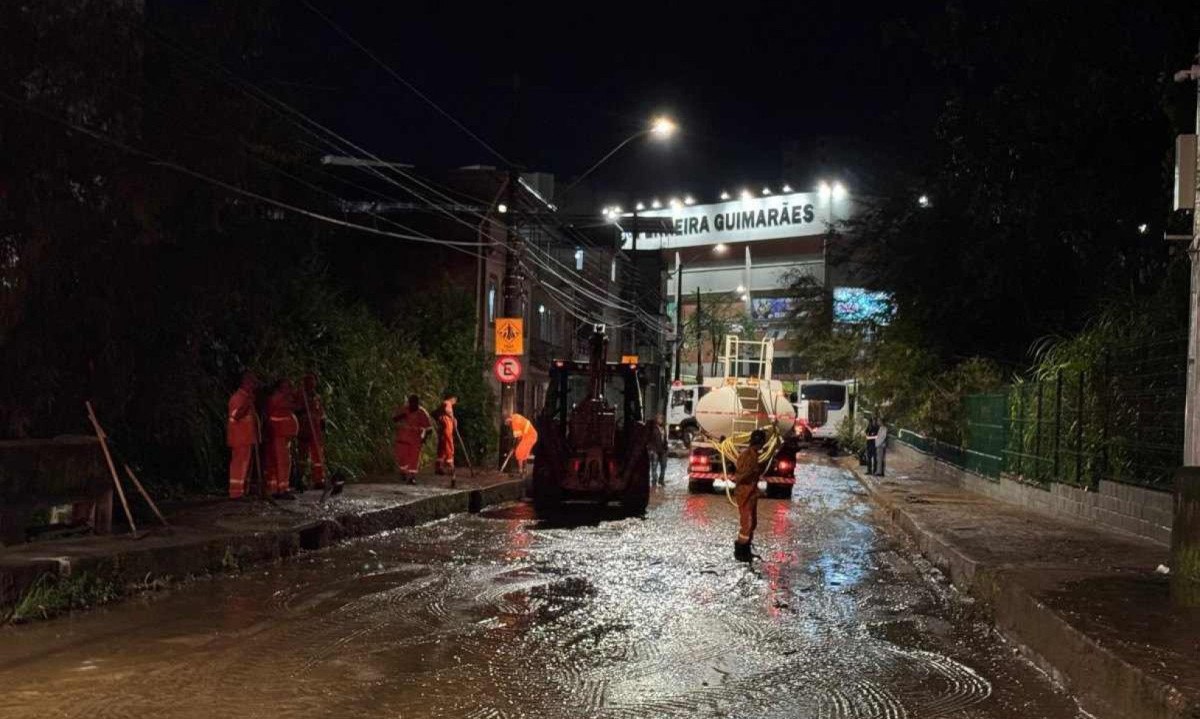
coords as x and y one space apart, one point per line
588 613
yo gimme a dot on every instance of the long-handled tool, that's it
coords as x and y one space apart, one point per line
466 454
508 457
146 496
312 433
112 469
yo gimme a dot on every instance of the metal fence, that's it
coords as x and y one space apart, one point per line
1121 421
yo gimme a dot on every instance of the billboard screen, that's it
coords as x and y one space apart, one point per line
772 308
855 305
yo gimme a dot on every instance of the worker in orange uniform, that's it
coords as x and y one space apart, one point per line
312 429
524 435
242 434
282 428
413 424
447 426
745 477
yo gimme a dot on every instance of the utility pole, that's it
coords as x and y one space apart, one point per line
1185 532
514 287
678 313
699 342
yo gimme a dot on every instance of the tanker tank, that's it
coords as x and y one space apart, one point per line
718 409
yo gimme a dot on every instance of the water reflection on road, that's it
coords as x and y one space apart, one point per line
588 613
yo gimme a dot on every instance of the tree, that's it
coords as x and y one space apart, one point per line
1051 151
717 316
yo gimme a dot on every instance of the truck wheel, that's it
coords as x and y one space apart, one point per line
546 493
700 486
779 491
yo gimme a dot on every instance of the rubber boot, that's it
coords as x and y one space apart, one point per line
741 552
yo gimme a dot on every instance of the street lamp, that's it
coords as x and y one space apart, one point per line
923 201
724 195
661 127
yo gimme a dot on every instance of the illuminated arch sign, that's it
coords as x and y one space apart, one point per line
797 214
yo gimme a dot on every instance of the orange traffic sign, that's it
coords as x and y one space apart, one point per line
629 359
510 336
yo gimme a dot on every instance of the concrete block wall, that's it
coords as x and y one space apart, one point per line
1147 513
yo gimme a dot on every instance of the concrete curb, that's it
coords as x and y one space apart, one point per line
132 567
1103 683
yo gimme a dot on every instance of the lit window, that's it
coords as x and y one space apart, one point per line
579 260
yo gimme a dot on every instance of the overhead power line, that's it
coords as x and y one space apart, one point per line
155 159
415 90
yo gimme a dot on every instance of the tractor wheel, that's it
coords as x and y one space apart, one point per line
546 493
700 486
637 495
779 491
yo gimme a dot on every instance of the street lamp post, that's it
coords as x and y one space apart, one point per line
661 127
831 193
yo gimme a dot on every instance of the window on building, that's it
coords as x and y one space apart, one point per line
579 260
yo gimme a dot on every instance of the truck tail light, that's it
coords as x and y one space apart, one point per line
700 461
785 467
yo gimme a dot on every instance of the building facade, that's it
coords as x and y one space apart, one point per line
742 255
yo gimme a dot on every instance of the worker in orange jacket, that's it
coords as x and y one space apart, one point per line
282 428
312 429
745 492
524 437
242 434
447 425
412 425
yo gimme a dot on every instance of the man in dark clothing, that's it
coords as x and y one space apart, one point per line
657 447
872 435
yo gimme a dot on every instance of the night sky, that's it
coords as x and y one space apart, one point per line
553 89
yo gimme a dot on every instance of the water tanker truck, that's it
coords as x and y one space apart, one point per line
749 399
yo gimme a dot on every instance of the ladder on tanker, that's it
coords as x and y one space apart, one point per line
748 371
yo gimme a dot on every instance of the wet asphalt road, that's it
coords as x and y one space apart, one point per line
587 614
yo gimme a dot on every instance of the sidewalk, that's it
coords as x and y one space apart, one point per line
1085 605
218 535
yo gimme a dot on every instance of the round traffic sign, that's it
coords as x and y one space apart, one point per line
507 369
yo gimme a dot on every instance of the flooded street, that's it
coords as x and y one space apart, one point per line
588 614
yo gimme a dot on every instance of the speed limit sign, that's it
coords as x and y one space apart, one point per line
507 369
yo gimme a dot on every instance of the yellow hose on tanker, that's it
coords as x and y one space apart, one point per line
728 449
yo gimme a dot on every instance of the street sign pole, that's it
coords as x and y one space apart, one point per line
513 288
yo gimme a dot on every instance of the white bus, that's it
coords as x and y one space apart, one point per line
838 396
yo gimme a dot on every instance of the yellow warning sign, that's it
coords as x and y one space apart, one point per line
510 336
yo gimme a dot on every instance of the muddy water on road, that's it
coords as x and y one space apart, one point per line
587 614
